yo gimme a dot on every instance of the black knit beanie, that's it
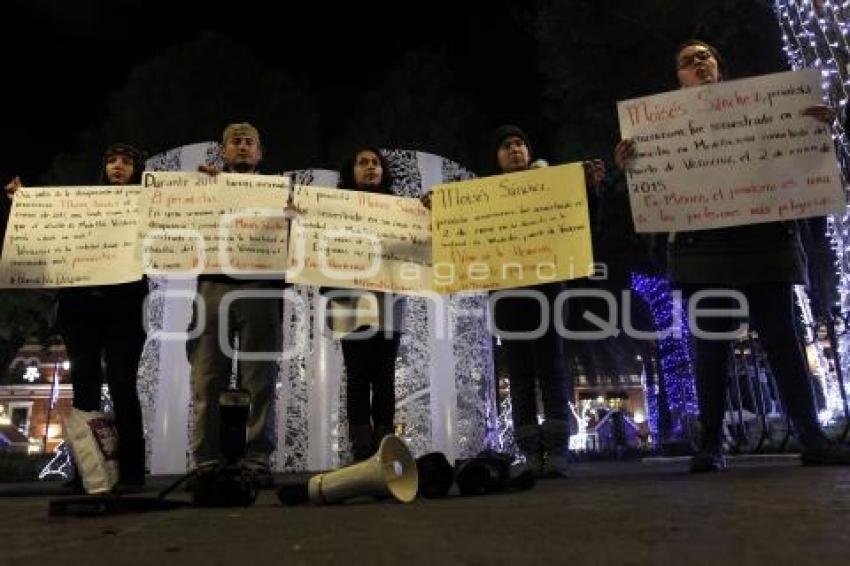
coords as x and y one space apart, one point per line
501 133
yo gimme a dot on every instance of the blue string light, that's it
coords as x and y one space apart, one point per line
815 35
674 356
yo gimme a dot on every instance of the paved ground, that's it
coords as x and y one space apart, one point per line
763 511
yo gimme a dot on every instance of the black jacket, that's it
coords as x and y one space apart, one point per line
740 255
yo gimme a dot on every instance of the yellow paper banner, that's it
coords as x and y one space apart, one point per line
71 236
230 223
354 239
511 230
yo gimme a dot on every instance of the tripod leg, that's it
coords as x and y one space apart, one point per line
182 479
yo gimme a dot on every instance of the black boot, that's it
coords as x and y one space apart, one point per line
556 447
709 458
75 484
830 455
382 430
529 441
361 441
131 473
706 461
818 449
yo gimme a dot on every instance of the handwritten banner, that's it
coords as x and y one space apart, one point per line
511 230
355 239
732 153
70 237
228 223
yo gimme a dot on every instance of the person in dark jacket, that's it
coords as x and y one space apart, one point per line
539 360
102 329
369 347
763 262
10 182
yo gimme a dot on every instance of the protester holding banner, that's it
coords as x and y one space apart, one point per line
369 347
10 184
257 322
103 324
534 360
762 262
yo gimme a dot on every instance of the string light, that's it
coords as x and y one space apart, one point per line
815 35
504 440
674 356
60 466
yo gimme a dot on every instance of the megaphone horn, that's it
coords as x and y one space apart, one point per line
390 472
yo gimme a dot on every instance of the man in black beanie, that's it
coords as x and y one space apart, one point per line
540 359
516 153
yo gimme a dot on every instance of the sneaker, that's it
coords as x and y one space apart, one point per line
706 461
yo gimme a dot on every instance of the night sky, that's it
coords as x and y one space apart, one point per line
66 57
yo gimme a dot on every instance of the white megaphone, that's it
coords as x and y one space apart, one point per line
390 472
